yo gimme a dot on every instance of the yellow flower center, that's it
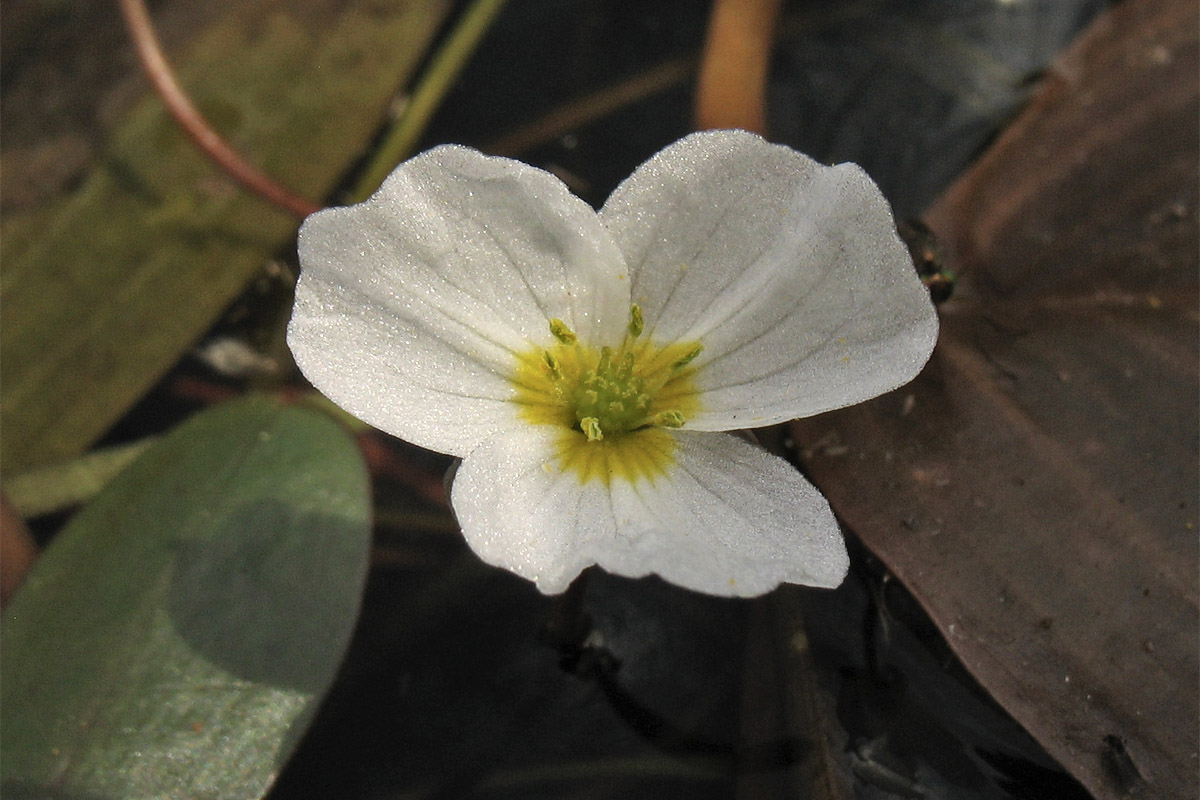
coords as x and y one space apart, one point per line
610 404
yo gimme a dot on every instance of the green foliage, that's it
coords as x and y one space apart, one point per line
106 287
175 638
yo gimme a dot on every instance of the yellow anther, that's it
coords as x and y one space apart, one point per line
636 323
687 358
614 406
562 332
552 364
591 428
668 419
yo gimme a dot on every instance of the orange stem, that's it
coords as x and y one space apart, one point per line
150 54
18 551
731 86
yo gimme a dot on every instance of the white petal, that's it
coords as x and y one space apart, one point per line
517 511
410 306
790 273
731 519
728 519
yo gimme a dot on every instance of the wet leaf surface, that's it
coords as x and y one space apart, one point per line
175 638
1036 487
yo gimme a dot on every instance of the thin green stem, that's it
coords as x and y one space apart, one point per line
445 68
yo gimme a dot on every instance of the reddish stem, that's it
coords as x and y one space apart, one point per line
192 121
18 550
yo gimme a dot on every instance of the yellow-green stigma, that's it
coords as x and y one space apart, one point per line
611 404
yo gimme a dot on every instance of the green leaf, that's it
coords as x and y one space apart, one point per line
104 288
175 638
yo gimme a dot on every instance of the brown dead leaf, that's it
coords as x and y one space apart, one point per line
1036 487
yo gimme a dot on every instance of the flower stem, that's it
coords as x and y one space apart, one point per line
180 106
399 142
569 624
731 86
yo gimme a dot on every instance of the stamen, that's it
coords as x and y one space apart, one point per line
668 419
687 358
609 392
636 323
552 364
591 428
562 332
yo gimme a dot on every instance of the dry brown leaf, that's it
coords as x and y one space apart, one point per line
1036 487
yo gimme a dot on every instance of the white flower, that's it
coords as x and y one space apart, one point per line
581 363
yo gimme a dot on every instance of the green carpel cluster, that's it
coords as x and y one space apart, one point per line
613 396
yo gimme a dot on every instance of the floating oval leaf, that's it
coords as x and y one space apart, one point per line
174 639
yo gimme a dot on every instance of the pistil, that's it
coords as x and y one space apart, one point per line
608 395
612 406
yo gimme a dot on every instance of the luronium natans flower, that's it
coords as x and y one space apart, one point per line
583 365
